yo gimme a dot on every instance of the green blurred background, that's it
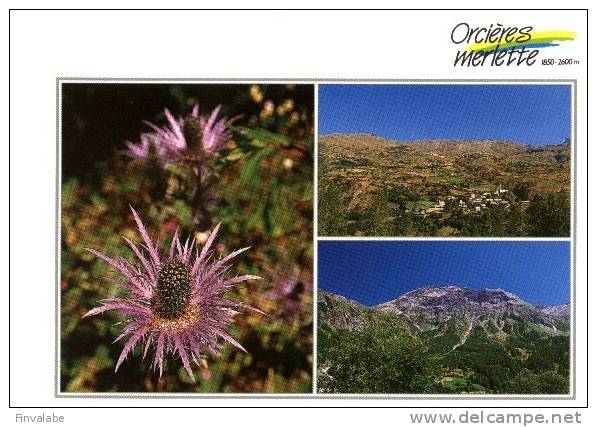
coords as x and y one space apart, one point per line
264 200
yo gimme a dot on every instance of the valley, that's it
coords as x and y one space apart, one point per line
370 186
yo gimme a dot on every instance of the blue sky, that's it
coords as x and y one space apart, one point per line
528 114
373 272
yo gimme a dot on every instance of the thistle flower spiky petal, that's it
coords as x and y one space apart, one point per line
215 132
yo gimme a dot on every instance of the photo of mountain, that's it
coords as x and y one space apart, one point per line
498 322
445 160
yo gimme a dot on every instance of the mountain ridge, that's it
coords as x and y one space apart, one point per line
476 342
431 307
381 138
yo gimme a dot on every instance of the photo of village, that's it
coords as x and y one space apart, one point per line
395 176
475 202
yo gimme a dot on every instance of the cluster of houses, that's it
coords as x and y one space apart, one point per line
475 202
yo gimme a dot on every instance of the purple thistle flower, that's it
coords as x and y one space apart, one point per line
184 137
173 303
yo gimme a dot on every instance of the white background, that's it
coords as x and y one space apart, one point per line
233 44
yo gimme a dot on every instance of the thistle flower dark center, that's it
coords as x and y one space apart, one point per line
192 132
173 292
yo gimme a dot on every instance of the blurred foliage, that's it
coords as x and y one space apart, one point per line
264 200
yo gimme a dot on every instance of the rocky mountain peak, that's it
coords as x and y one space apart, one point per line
451 297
